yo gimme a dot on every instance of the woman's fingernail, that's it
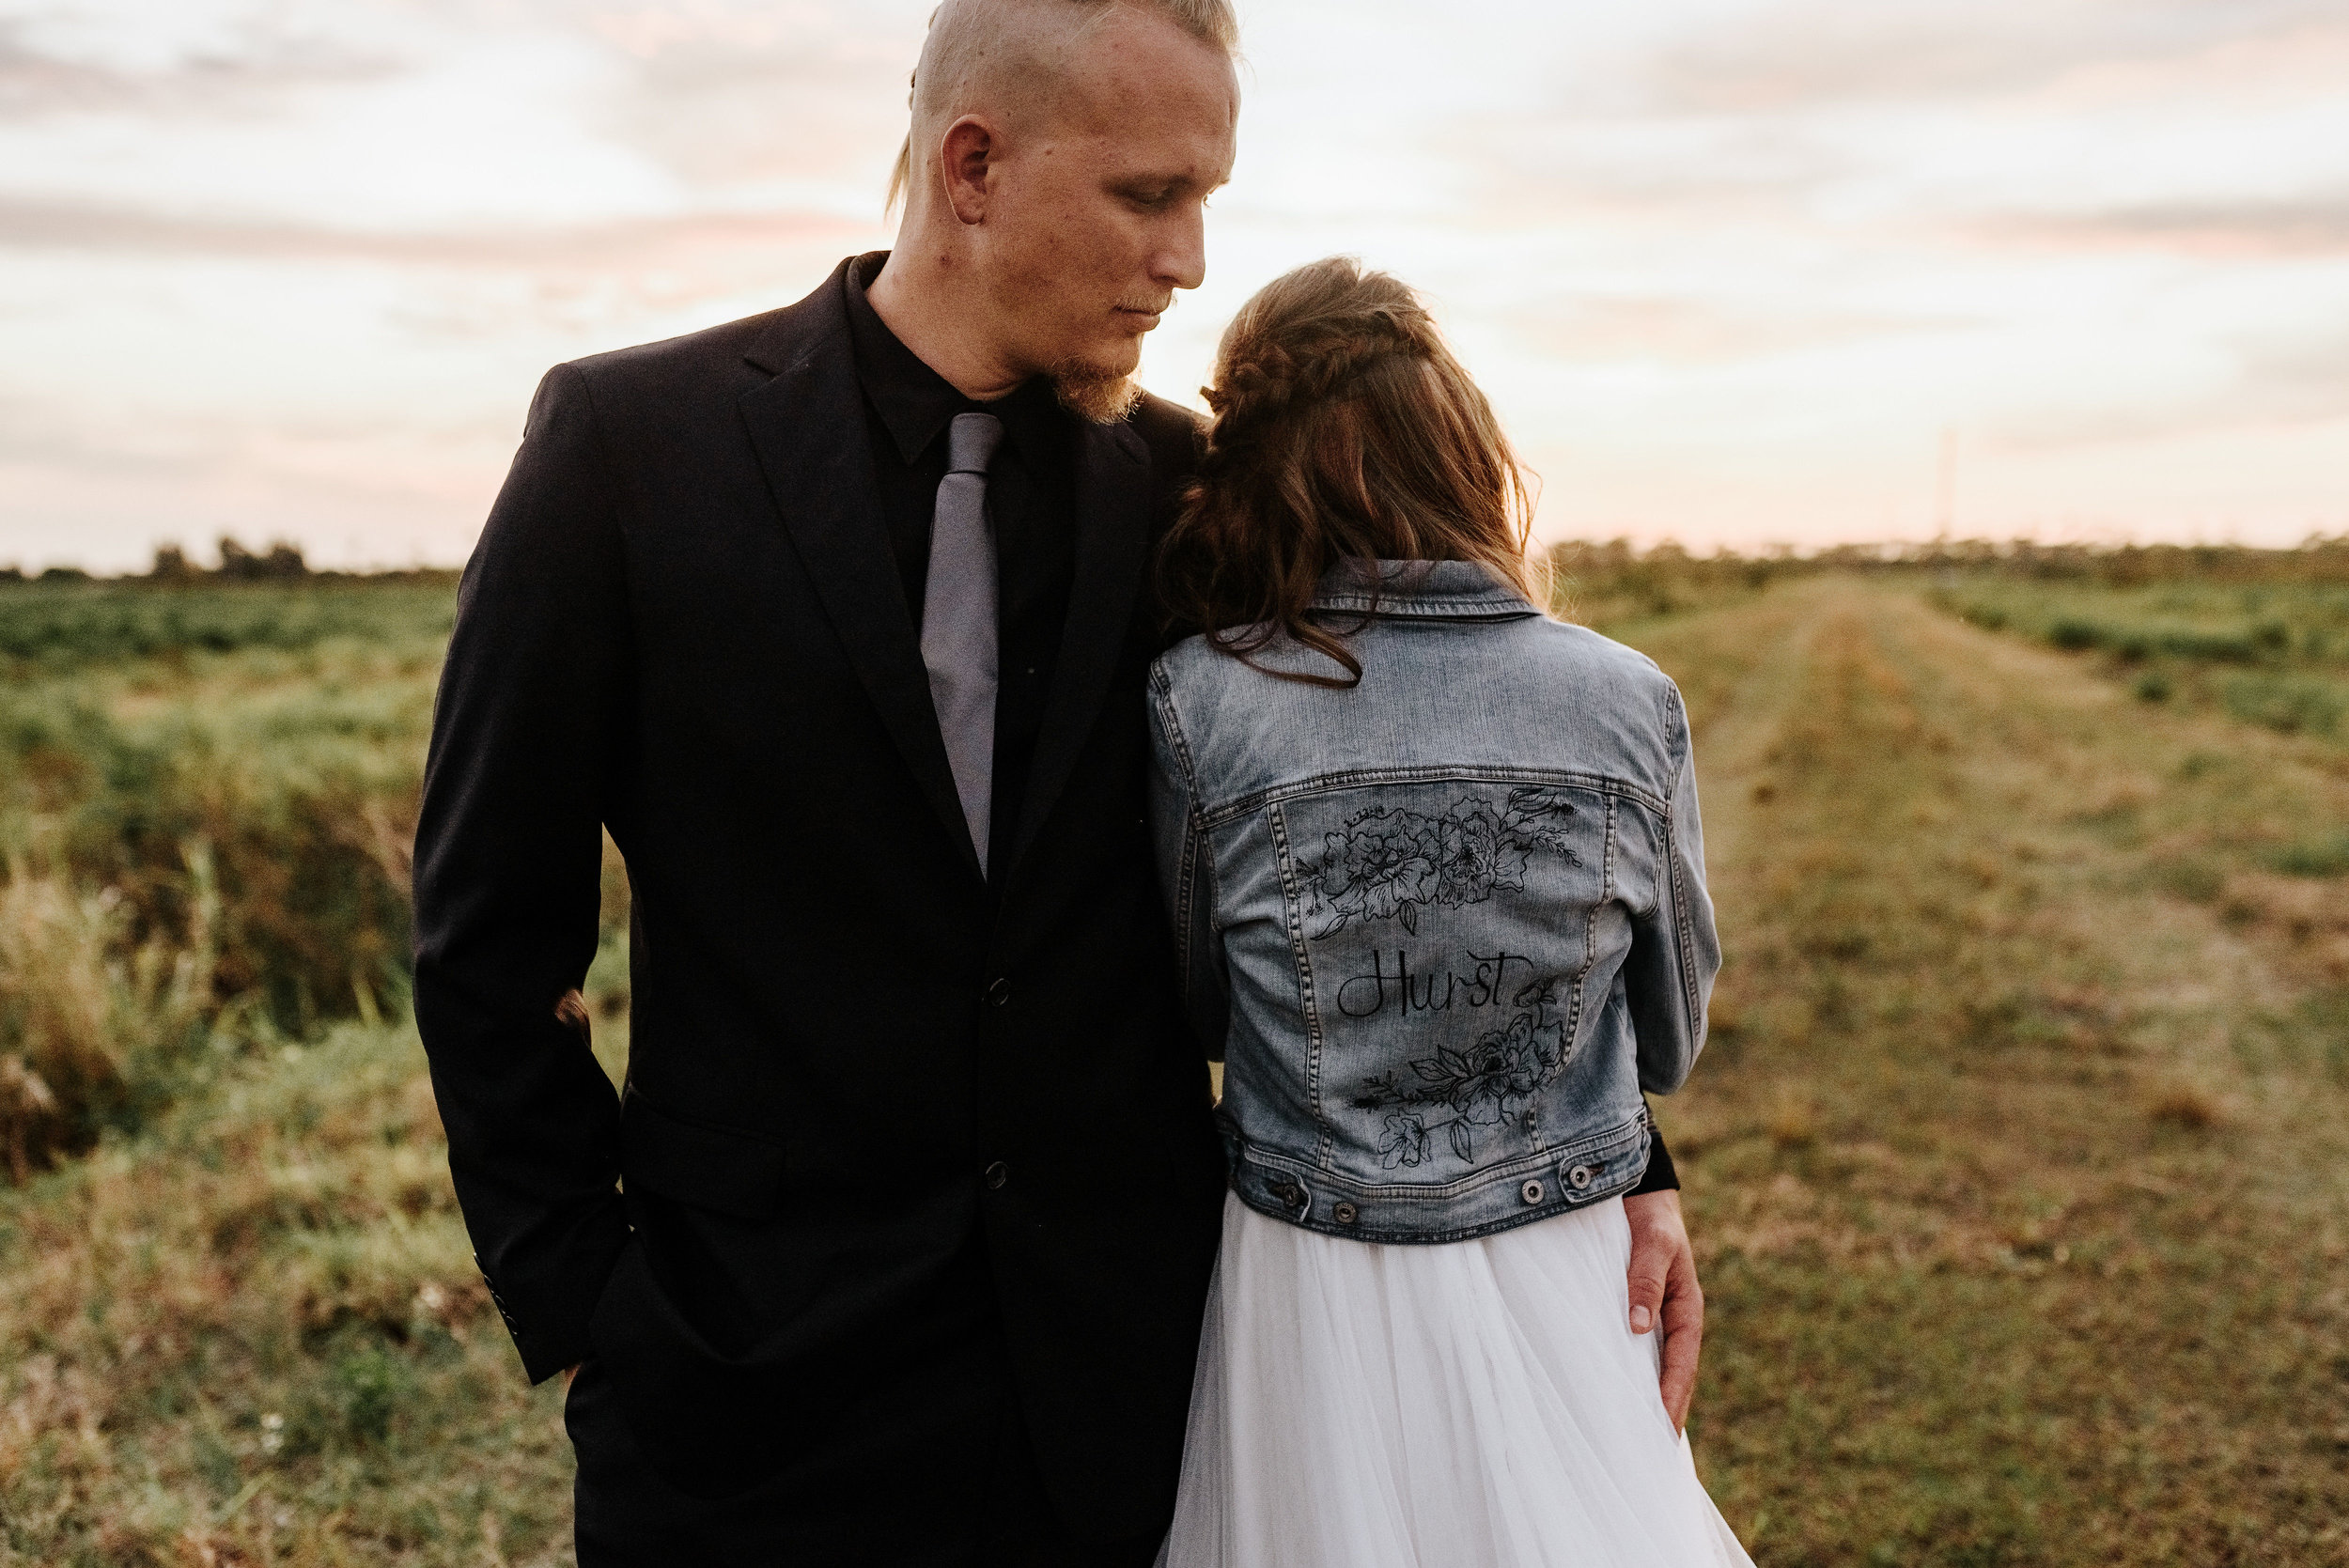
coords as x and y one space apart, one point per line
1639 1320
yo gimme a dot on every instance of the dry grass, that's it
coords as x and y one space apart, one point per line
255 1336
2020 1179
2019 1161
97 1022
2187 1107
279 726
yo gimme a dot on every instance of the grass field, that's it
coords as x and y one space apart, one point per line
2271 654
2019 1162
274 731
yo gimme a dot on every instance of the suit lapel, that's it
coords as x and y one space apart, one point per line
1113 496
808 429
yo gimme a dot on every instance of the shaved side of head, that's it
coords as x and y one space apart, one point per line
1056 189
1008 58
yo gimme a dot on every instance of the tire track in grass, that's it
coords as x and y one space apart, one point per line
1985 1289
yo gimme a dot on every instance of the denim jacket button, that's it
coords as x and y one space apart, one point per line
1579 1177
997 1175
1530 1191
1345 1214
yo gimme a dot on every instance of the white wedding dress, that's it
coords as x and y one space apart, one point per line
1464 1404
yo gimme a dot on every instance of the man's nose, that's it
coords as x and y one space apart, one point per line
1181 260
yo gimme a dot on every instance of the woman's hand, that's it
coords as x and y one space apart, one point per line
1663 1280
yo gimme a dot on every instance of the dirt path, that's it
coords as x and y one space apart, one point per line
2018 1155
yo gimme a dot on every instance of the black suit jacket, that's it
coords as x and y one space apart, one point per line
683 622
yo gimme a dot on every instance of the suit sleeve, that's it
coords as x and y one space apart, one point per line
1675 952
509 855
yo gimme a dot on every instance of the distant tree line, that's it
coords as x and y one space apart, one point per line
2320 558
2317 559
1612 581
281 561
1618 564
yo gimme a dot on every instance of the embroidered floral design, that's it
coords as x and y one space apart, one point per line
1389 863
1405 1142
1488 1084
1380 869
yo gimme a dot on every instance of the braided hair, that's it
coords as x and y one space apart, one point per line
1344 431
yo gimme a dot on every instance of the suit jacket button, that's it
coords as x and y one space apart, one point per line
1000 992
997 1175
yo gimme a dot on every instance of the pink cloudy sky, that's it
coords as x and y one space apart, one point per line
1730 268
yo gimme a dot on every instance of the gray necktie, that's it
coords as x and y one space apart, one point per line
958 619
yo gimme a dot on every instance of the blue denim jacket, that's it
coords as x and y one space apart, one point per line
1446 925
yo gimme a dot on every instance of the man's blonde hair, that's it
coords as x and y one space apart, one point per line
969 39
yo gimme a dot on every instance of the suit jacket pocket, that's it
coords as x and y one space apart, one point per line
708 1167
706 1422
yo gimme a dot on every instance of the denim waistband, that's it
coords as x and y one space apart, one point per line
1497 1197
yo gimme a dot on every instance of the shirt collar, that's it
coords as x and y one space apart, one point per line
1421 591
915 402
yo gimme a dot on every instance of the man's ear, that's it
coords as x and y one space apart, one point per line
969 153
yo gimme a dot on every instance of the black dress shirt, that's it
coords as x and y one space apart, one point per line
1031 500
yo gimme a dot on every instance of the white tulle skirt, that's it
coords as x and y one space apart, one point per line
1473 1405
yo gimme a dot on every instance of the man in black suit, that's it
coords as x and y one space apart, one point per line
895 1248
921 1184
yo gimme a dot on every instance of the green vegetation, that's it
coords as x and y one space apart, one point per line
253 1333
2019 1160
245 1327
1613 584
207 796
1603 584
2275 654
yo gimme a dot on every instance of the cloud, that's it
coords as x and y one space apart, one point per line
2313 225
1686 331
2258 382
780 104
1519 171
1827 53
1738 249
242 73
2301 376
41 432
32 223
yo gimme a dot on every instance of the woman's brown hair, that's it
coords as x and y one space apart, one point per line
1344 431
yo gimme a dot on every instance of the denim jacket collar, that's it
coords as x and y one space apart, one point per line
1421 591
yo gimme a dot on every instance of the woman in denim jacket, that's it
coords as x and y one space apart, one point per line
1435 863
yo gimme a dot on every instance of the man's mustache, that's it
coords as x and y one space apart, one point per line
1153 307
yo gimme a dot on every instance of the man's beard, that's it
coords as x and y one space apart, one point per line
1094 393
